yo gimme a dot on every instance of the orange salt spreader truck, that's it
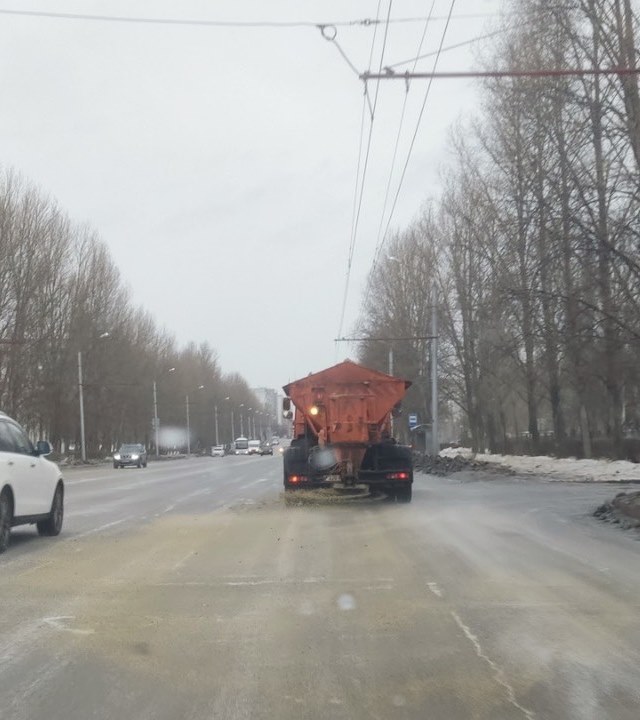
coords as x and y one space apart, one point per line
342 432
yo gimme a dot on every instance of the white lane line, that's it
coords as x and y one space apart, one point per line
246 486
158 475
251 582
434 589
194 494
59 623
106 526
190 496
180 563
498 672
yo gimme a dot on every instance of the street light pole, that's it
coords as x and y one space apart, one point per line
200 387
391 373
81 397
188 430
215 416
434 373
156 421
83 448
155 418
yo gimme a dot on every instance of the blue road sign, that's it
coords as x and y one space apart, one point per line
413 420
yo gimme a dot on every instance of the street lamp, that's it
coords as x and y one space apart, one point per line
233 429
215 421
155 412
200 387
83 446
241 421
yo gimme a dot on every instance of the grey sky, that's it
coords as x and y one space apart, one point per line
219 164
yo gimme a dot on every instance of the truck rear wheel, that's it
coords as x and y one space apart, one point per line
403 495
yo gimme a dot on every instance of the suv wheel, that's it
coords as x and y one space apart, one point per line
6 515
53 524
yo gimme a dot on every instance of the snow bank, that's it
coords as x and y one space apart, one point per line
558 468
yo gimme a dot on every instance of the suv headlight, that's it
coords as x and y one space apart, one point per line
134 457
116 456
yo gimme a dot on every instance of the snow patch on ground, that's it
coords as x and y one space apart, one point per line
557 468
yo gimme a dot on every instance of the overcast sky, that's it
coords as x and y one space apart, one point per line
219 164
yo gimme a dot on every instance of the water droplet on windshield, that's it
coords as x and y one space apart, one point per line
346 602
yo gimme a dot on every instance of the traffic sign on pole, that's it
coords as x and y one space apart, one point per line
413 420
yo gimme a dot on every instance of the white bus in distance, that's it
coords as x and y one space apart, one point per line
241 446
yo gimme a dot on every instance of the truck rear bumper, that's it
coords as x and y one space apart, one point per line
387 481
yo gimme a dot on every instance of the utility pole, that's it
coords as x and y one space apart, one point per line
434 372
83 447
391 373
155 418
156 422
215 416
188 430
233 428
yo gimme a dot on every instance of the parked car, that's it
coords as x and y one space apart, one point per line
266 449
217 451
31 487
134 454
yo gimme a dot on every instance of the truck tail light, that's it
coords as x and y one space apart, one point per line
398 476
296 478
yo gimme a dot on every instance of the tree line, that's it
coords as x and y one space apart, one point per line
61 294
532 247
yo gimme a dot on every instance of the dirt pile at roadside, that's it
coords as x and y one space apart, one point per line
623 510
444 465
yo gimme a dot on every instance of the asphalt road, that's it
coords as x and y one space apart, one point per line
189 590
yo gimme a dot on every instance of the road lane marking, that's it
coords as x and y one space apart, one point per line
498 672
254 581
180 563
58 622
434 589
106 526
159 474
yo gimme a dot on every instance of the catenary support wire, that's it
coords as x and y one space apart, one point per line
364 172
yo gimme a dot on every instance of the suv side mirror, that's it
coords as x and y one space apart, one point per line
286 408
43 448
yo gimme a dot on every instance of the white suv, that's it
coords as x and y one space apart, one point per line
31 487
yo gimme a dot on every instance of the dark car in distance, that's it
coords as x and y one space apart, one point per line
266 449
133 454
